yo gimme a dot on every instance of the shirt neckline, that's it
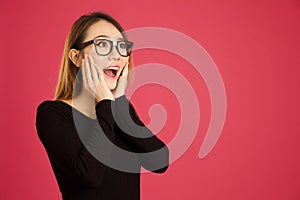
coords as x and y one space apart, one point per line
71 107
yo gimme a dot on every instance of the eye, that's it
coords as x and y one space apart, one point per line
102 43
122 45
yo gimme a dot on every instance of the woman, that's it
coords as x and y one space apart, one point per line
94 139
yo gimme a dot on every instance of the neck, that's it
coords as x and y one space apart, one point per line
85 103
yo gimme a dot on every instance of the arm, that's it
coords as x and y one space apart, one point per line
141 139
64 147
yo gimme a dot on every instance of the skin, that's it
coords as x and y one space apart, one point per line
96 85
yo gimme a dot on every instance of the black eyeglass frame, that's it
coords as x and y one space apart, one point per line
113 43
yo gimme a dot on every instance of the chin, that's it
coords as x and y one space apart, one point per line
112 86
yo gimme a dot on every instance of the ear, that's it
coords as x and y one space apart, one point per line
74 57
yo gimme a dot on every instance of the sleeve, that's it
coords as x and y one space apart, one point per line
64 147
151 151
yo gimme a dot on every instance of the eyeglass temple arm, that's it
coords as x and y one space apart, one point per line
81 46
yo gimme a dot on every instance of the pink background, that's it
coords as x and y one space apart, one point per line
256 47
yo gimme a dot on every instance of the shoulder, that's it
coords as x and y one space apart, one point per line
52 108
48 105
52 104
52 117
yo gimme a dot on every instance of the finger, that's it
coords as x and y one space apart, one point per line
98 70
125 72
89 67
122 71
101 77
89 80
93 70
121 74
83 72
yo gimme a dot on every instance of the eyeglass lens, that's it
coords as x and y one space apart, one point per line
104 47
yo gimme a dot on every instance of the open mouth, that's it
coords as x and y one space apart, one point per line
111 71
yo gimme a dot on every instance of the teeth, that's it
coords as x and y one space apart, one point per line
112 67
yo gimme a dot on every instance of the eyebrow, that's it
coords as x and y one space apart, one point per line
107 37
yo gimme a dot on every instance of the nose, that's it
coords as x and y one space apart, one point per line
114 55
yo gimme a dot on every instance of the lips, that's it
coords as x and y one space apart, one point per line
111 71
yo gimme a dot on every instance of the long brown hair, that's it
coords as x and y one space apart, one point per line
68 71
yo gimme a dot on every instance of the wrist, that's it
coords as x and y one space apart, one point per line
117 96
112 98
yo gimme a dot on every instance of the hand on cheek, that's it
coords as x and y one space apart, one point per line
122 82
93 80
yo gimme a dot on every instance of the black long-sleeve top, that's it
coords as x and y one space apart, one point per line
85 153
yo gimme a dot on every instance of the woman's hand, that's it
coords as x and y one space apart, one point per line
93 80
122 82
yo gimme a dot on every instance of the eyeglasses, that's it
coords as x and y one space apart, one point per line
104 46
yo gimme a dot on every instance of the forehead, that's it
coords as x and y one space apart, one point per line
102 27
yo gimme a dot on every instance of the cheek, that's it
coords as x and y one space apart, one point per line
100 61
124 61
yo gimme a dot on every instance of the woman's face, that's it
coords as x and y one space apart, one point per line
111 64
